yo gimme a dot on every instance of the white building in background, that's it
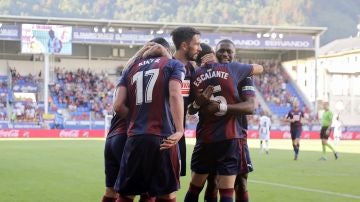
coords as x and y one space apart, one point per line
338 77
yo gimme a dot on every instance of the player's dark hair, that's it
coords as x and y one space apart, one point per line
205 49
161 41
183 34
226 41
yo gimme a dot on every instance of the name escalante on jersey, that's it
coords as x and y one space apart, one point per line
209 75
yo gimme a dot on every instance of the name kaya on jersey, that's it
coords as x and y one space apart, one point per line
210 74
149 61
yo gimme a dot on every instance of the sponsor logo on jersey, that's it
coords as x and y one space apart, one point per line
185 88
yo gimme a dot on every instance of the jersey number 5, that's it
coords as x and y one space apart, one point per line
219 98
139 79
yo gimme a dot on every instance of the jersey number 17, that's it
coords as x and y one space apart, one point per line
139 79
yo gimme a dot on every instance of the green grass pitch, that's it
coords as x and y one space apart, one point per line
72 170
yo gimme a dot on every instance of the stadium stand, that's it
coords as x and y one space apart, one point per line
276 88
25 108
83 94
3 97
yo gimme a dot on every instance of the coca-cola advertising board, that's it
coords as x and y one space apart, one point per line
35 133
252 134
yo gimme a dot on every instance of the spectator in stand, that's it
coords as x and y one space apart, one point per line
3 99
24 108
27 113
13 116
272 83
59 120
72 106
82 91
3 115
19 79
32 114
19 110
3 86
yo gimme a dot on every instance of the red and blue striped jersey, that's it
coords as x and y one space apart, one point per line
118 126
147 83
297 115
225 78
185 90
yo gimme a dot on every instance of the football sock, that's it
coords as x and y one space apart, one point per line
296 149
211 191
124 199
226 195
146 198
108 199
266 145
192 193
210 196
244 197
332 149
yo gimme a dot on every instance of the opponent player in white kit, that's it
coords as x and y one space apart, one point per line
264 132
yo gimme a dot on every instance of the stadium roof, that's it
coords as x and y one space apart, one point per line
161 25
340 47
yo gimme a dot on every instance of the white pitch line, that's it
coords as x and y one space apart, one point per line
306 189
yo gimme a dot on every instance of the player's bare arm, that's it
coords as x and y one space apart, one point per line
139 54
119 103
157 50
302 121
177 111
242 108
257 69
287 119
246 107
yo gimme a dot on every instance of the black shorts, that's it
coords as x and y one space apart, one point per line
247 166
221 158
323 134
114 147
146 169
182 147
296 133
